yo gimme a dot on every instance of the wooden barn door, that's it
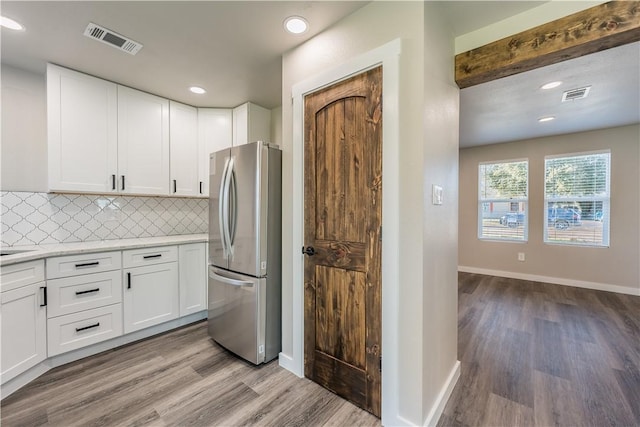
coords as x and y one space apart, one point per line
343 213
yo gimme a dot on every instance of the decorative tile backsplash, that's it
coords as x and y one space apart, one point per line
41 218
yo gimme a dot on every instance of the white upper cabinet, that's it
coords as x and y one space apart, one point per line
215 132
105 138
184 150
143 143
82 132
251 123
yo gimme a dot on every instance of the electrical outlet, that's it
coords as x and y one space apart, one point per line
520 256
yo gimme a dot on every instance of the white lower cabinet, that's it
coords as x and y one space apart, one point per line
24 329
85 300
72 294
151 295
90 298
192 263
77 330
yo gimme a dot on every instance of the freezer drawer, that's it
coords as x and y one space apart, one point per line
237 313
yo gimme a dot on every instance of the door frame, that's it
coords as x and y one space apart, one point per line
387 55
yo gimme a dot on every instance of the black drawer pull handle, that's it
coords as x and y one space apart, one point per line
113 182
128 280
175 186
88 264
44 295
122 181
87 327
88 291
200 187
152 256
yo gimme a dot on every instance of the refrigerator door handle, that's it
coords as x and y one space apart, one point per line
229 281
221 208
233 203
226 208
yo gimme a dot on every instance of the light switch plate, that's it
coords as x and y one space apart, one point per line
437 194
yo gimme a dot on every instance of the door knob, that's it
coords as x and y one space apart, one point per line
309 250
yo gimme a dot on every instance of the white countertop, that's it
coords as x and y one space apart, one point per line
48 251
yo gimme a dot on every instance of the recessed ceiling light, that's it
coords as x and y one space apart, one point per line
546 119
10 23
197 89
296 25
550 85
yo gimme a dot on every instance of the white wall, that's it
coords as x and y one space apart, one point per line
546 12
615 267
370 27
24 131
440 224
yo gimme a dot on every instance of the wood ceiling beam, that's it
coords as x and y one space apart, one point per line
598 28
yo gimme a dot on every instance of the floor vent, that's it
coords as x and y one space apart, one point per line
573 94
111 38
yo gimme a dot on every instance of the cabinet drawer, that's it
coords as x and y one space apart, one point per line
149 256
17 275
73 331
74 265
72 294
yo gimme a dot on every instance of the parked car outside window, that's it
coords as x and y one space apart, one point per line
512 219
563 218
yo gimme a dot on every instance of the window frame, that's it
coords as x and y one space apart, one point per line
524 200
605 200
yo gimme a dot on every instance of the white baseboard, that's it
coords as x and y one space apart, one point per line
287 363
23 379
443 396
554 280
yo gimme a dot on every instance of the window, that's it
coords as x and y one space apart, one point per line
502 200
576 199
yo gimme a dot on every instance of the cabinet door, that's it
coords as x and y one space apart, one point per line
258 124
150 295
82 132
184 150
193 278
251 123
214 133
240 124
24 330
143 143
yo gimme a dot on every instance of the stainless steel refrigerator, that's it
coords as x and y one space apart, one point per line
245 206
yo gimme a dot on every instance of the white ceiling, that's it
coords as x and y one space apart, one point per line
234 50
508 109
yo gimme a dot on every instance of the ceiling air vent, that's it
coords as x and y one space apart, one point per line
573 94
112 39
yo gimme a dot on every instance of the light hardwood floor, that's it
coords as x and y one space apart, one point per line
180 378
535 354
532 354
